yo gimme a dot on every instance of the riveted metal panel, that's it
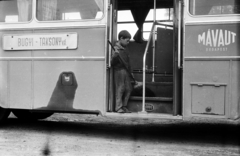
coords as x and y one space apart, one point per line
208 99
211 57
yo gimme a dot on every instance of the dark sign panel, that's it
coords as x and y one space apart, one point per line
213 40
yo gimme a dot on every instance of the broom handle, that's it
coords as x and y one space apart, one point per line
122 62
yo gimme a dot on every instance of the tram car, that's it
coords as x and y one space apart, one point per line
55 57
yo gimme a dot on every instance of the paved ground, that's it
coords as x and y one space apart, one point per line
87 135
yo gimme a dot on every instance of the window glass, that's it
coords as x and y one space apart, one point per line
161 14
52 10
126 22
130 27
214 7
148 26
165 14
125 16
15 11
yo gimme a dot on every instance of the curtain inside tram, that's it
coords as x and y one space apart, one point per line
139 15
214 7
51 10
24 10
90 8
99 4
47 10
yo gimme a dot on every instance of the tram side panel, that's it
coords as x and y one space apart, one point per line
61 79
75 80
211 70
15 77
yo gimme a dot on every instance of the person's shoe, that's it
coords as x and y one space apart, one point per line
126 110
121 110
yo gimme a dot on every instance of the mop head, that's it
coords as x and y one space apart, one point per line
138 85
138 90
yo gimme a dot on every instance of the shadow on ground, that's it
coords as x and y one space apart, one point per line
167 131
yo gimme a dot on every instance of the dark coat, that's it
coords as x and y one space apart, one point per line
122 63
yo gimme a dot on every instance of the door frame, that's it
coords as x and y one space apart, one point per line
177 57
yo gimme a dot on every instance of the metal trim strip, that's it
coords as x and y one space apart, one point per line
218 58
8 28
208 84
189 23
83 58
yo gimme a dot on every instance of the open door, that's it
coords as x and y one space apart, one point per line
211 59
177 56
112 37
162 70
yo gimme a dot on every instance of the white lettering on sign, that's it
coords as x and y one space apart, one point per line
217 38
217 49
40 41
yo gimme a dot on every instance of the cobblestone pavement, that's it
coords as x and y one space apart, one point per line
89 135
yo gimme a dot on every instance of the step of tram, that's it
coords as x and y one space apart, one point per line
152 104
155 89
161 89
157 77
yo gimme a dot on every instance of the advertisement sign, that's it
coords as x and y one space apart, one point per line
213 40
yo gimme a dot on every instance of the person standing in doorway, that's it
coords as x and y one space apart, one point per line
122 72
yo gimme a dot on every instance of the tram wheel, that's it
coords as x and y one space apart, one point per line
28 115
4 113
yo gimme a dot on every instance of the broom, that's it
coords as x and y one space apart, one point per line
136 84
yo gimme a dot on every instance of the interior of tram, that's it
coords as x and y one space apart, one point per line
137 17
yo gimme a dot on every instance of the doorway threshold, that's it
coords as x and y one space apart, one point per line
143 115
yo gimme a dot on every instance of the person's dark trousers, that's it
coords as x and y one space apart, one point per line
123 88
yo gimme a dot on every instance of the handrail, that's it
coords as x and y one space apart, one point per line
166 25
144 62
153 44
144 68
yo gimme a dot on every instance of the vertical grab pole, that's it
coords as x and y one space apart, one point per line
110 95
110 36
144 58
144 68
179 34
153 43
144 80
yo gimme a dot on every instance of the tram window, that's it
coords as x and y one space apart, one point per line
64 10
126 22
214 7
15 11
164 15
